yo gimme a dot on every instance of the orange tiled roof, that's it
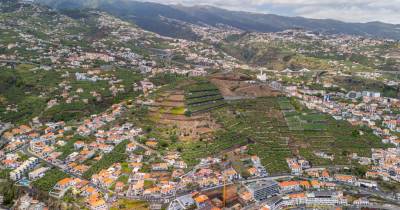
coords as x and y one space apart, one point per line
325 173
297 195
201 198
119 184
64 181
315 183
343 177
252 170
305 184
288 183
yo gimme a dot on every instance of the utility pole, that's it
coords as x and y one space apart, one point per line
224 191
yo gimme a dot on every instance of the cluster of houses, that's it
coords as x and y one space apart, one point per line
18 137
106 177
385 164
160 187
321 190
368 112
75 60
144 186
11 160
372 111
195 200
392 123
91 125
93 197
206 174
44 145
85 77
297 165
51 137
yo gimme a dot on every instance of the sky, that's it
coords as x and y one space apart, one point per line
346 10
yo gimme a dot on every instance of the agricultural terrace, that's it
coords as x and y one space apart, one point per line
313 132
276 130
173 118
260 121
304 121
202 97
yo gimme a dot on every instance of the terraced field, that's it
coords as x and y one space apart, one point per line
275 131
302 121
261 121
203 97
313 132
171 110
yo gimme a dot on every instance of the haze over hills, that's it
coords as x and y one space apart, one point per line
153 16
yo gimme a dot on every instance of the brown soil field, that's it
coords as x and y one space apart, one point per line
229 88
171 104
176 97
189 128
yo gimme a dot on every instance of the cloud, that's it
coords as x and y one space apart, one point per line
345 10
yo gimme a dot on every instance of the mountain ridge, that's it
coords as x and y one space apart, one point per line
148 16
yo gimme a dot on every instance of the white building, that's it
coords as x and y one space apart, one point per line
38 173
29 164
262 76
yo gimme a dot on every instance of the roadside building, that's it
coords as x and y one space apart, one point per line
261 190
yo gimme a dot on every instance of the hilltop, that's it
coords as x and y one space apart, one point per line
163 19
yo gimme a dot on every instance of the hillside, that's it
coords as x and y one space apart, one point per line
152 16
45 79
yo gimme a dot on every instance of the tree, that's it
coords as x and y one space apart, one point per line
173 138
188 113
355 133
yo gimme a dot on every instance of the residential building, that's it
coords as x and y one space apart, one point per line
262 190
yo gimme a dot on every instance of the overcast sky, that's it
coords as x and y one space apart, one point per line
345 10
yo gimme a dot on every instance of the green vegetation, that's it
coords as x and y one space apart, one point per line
7 188
194 95
125 204
148 184
201 97
115 156
123 178
361 84
29 91
192 151
9 192
68 148
300 121
166 79
178 110
23 87
125 168
317 132
275 133
389 187
51 178
261 123
5 173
